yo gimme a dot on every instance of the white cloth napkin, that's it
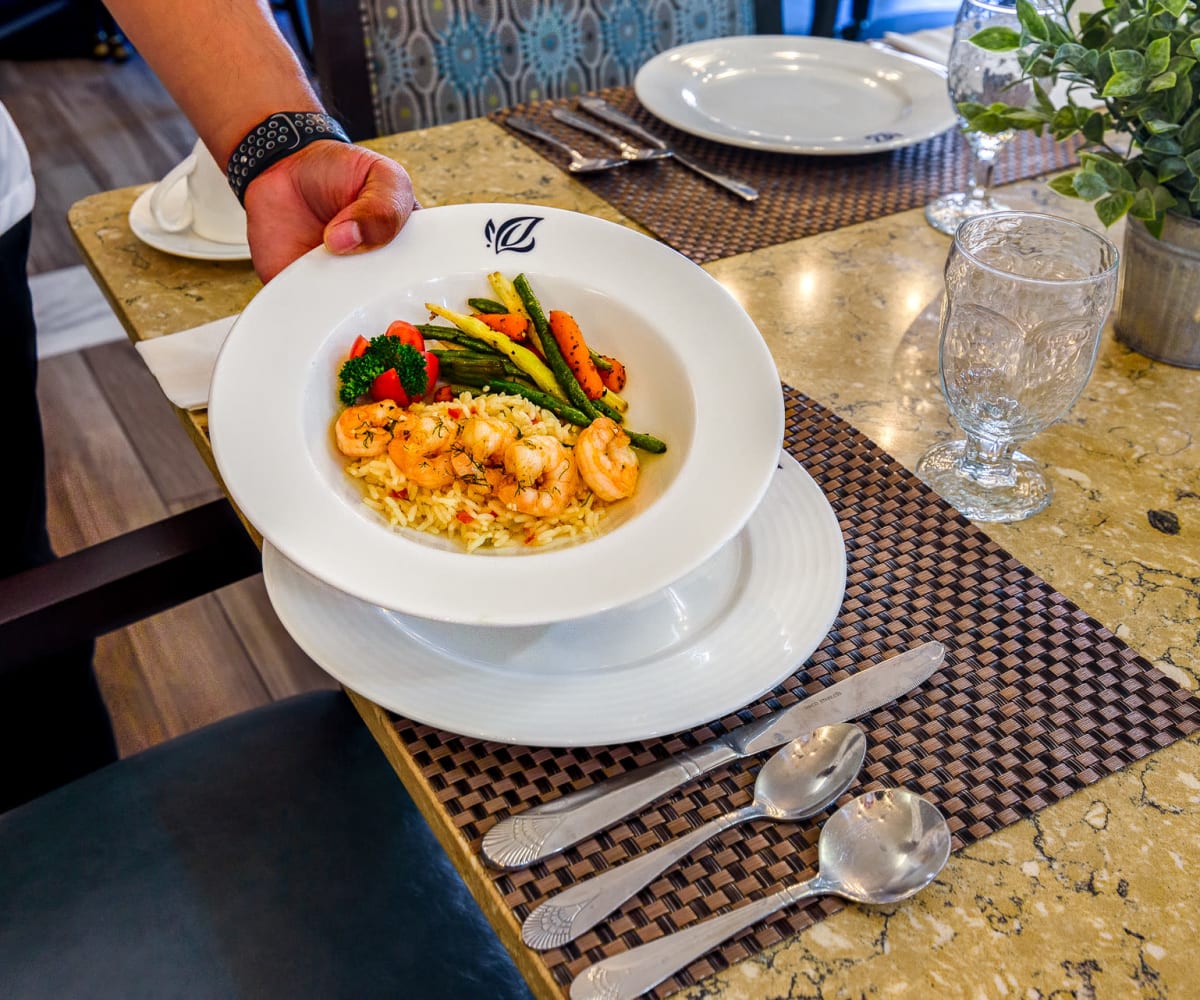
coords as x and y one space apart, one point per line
183 362
934 43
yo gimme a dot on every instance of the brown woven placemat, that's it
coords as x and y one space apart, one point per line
798 195
1035 701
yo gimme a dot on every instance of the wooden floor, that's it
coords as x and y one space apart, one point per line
117 457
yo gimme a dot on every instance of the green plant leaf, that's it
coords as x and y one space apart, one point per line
1156 126
1158 55
1027 119
1189 134
1032 21
1175 7
1164 81
1128 62
1111 207
1115 175
1094 128
1071 54
1178 101
1088 186
1163 199
997 38
1064 184
1162 145
1143 206
1122 85
1170 167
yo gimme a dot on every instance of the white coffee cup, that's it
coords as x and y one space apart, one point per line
207 204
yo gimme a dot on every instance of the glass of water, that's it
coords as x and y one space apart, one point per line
1026 299
982 76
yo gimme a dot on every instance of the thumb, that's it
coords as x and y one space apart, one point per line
373 219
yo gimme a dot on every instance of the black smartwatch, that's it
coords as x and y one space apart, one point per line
274 139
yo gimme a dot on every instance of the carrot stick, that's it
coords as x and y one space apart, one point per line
575 352
614 377
512 325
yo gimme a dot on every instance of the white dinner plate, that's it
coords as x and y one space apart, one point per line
184 243
700 378
705 646
795 94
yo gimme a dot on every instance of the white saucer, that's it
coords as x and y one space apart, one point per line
704 647
184 243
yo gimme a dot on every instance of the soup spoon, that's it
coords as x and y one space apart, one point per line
580 164
880 848
807 775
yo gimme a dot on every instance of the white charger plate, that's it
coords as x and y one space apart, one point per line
795 94
184 243
702 647
700 377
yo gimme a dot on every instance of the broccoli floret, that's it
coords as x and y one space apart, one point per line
383 352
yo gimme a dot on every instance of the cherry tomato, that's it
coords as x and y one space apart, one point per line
406 333
387 386
432 368
359 347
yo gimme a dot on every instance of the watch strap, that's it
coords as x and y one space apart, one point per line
274 139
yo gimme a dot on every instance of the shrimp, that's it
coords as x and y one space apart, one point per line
606 460
480 449
364 431
541 476
420 447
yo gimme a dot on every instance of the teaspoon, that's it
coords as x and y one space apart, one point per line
798 781
580 164
880 848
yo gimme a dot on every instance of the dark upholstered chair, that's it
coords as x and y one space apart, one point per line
387 67
271 855
275 854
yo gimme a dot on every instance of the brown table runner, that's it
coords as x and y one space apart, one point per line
798 195
1035 701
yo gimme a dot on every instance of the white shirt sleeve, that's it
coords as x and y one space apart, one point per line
16 177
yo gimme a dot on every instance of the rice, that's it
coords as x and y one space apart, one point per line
468 512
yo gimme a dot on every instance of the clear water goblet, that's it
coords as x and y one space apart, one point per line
984 77
1027 296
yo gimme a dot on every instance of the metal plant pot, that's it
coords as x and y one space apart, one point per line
1159 310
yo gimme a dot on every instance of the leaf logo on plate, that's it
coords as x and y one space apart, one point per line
513 234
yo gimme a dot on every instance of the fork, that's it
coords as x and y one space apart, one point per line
602 109
580 164
627 149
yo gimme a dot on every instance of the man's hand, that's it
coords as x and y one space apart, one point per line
342 195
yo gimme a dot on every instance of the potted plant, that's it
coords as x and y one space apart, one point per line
1128 82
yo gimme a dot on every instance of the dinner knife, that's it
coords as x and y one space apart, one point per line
599 107
543 830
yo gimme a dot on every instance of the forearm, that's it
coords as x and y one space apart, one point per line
223 61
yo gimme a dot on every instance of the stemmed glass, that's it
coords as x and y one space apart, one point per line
1026 298
982 76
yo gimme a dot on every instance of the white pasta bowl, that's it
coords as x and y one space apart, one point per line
700 378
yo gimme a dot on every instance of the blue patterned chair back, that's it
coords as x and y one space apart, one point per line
428 62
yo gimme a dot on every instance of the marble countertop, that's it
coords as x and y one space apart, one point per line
1091 896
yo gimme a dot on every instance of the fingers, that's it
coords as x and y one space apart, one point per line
373 219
